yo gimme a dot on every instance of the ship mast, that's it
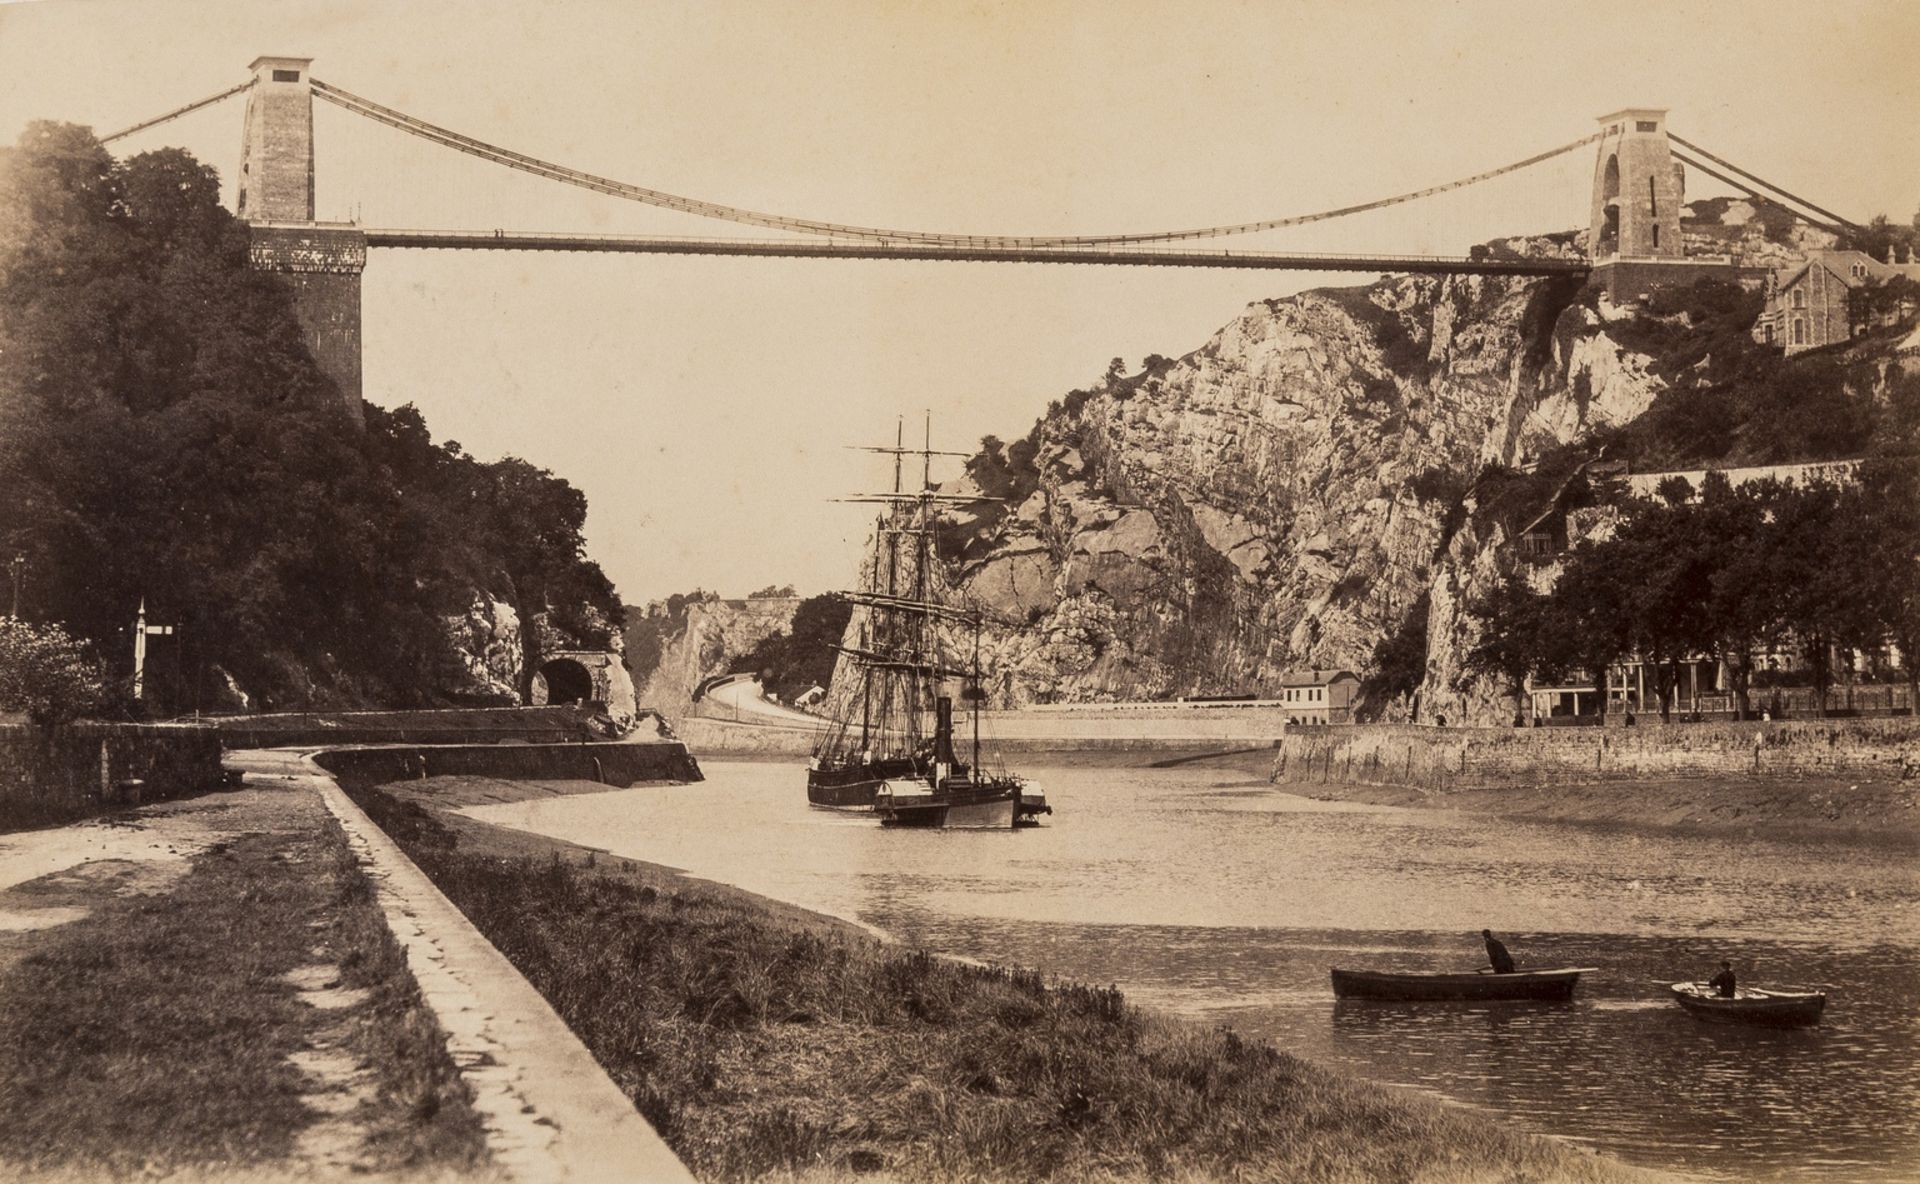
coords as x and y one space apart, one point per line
905 653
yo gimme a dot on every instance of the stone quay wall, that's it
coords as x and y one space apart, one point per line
615 764
1117 729
50 776
719 736
554 724
1441 758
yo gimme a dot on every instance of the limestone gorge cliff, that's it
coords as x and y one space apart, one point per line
1287 494
701 640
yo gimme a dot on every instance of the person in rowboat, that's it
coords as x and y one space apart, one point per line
1497 953
1723 982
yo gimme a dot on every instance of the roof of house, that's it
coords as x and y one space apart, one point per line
1315 678
1832 261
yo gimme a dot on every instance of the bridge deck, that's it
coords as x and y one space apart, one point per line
985 252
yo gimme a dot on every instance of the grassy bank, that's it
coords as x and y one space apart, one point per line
762 1043
254 1016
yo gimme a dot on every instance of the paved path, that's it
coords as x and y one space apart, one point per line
746 700
551 1113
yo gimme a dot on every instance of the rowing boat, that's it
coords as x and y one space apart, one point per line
1413 985
1751 1005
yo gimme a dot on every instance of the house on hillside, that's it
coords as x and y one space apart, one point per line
1319 696
1814 303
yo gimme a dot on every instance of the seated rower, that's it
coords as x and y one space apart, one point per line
1497 953
1723 982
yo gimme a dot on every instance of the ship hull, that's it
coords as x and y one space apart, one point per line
852 787
990 808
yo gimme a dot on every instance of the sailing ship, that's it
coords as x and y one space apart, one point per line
890 745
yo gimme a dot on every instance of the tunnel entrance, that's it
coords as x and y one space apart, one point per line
567 681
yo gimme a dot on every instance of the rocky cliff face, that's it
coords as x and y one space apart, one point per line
487 641
1281 498
714 634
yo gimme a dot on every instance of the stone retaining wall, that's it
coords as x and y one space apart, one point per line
610 764
724 736
483 725
714 737
1088 727
58 775
1885 749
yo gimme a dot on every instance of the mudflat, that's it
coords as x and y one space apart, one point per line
1882 812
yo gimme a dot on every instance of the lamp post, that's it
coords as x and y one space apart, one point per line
16 567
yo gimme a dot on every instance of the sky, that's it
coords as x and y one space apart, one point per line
705 404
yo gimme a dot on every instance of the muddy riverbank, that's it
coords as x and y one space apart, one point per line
1846 809
761 1039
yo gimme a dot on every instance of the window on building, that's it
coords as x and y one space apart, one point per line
1653 199
1799 331
1799 297
1656 234
286 75
1647 125
1767 330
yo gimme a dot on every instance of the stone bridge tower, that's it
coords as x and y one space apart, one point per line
319 262
1638 189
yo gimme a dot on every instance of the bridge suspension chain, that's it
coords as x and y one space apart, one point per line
1734 168
177 112
706 209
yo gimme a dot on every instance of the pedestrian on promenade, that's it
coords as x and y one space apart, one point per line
1497 953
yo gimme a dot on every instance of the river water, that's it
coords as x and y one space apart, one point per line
1223 900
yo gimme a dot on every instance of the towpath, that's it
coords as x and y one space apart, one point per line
227 983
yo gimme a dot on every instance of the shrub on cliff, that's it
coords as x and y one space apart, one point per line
1730 401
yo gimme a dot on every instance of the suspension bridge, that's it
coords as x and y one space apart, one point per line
1634 225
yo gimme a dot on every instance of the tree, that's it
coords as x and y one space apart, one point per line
1815 537
1881 234
1892 566
1742 604
1512 643
1889 506
539 521
1661 559
789 661
1585 624
47 675
1399 659
165 434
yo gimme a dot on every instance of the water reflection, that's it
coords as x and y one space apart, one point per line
1227 904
